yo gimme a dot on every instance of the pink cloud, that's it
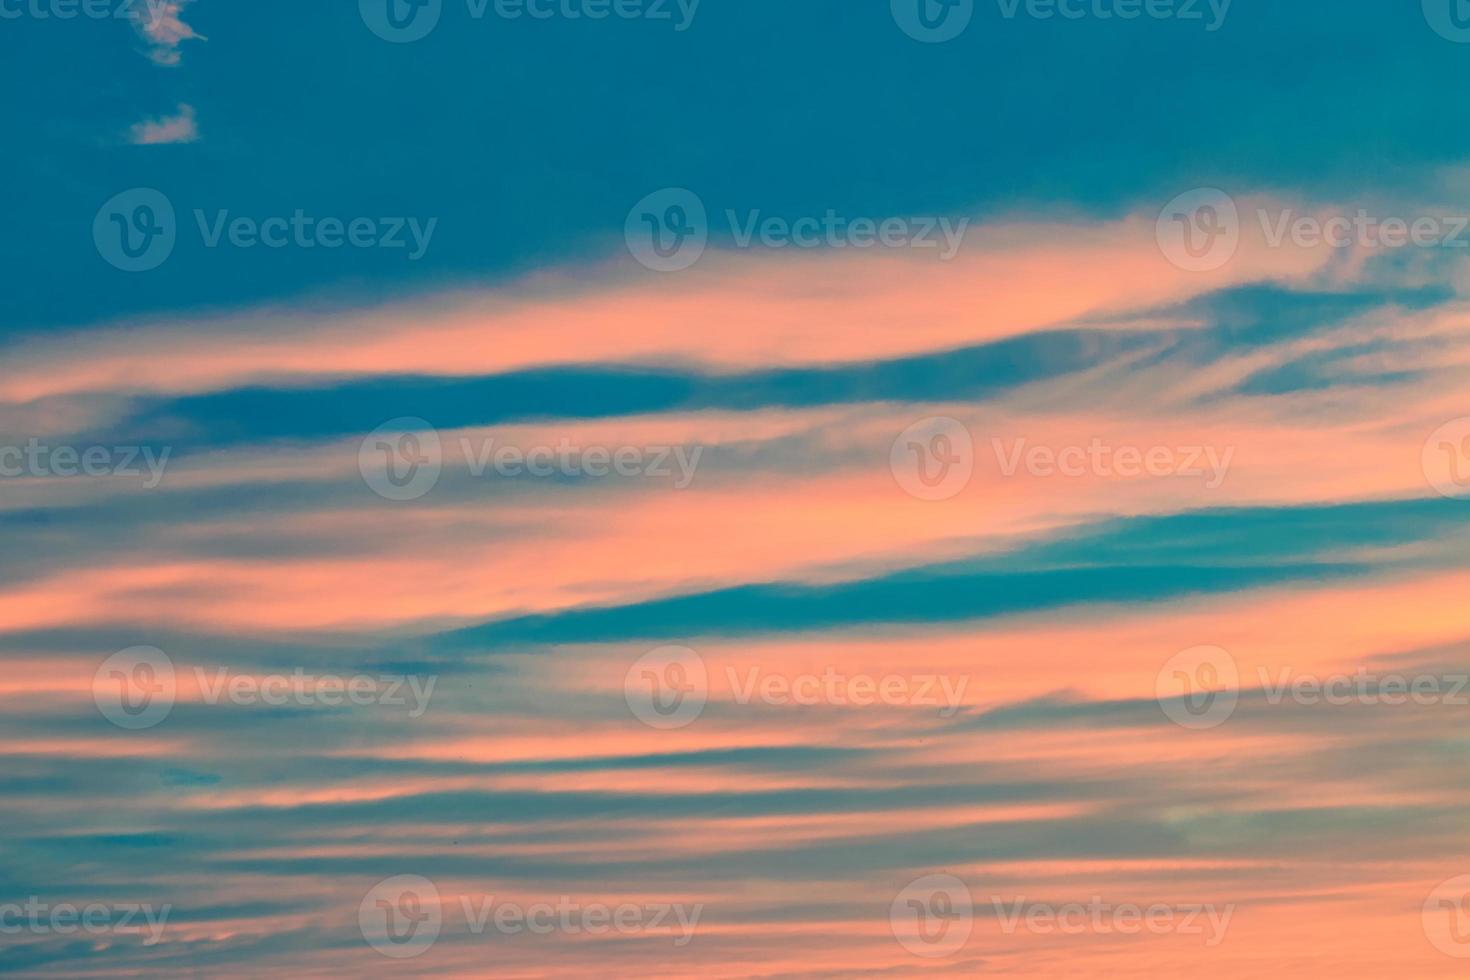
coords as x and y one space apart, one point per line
161 23
178 128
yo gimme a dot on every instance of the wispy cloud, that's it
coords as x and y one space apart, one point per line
161 22
178 128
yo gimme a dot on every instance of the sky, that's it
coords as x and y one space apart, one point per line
672 488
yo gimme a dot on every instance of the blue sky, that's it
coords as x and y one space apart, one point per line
791 484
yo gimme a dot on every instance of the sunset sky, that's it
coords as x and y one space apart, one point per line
735 488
